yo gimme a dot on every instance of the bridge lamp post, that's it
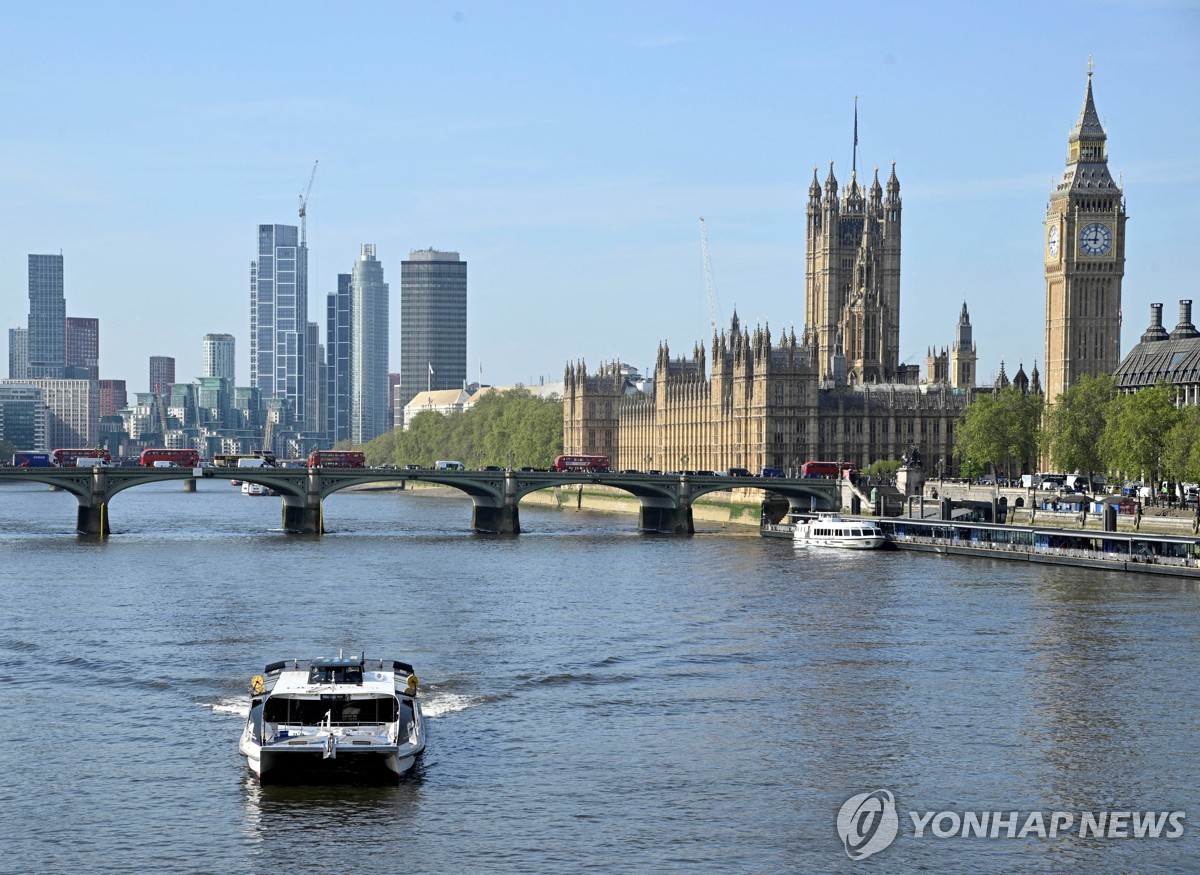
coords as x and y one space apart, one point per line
684 460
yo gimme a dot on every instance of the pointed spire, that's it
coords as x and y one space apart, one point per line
876 188
831 182
1088 127
814 190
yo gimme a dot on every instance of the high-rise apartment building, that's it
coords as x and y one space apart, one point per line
18 353
368 348
82 348
433 323
162 374
337 361
219 357
73 407
23 417
279 316
113 397
47 318
314 381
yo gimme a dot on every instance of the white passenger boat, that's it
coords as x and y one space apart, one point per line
254 489
342 717
830 530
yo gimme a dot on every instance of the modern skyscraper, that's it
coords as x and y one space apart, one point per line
113 397
73 406
279 316
1085 260
47 318
162 374
18 353
314 380
23 417
369 348
433 323
83 348
219 356
337 358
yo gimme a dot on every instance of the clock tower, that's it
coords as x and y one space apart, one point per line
1084 249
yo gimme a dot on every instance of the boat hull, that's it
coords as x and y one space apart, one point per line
279 764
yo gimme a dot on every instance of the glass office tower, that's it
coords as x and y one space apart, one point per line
47 318
279 316
433 323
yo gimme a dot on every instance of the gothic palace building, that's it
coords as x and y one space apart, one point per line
839 391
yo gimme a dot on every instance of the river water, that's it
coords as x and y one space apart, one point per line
599 700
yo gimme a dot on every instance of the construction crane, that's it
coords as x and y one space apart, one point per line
304 206
162 411
708 279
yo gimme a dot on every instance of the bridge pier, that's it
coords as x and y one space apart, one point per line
302 513
662 516
92 519
495 520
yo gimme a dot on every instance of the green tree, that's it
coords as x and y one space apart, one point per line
1000 429
1074 426
511 428
1135 435
7 448
1181 447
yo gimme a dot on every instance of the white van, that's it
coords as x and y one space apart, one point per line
449 466
91 462
252 463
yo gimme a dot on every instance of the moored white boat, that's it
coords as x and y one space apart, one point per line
353 717
830 530
255 489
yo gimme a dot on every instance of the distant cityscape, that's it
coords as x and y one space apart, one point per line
301 393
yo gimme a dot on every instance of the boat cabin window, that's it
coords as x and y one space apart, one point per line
311 712
341 674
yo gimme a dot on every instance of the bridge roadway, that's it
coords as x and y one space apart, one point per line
666 499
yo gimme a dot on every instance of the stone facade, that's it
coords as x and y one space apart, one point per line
762 404
1084 260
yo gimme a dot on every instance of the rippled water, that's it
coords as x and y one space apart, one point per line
599 700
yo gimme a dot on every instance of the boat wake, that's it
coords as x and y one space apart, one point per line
229 706
434 704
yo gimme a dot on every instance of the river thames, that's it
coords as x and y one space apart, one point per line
599 700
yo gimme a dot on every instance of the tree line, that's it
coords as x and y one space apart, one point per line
1093 429
514 427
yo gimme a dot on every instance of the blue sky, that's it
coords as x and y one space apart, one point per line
567 150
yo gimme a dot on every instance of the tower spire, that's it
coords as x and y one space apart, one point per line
854 151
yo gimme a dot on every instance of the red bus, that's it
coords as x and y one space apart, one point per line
175 458
66 458
336 459
598 464
828 470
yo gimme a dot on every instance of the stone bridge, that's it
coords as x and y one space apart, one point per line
666 499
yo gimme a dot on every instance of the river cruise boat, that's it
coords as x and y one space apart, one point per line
830 530
344 717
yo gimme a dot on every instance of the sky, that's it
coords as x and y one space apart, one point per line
568 150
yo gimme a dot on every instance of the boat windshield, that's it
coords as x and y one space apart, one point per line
335 674
335 709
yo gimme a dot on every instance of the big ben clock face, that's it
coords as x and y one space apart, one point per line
1052 241
1095 239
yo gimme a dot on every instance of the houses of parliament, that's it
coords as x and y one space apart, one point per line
839 392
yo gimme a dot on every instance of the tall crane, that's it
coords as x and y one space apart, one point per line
708 279
304 206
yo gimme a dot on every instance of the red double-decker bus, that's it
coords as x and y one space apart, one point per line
829 470
597 464
336 459
169 458
65 458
